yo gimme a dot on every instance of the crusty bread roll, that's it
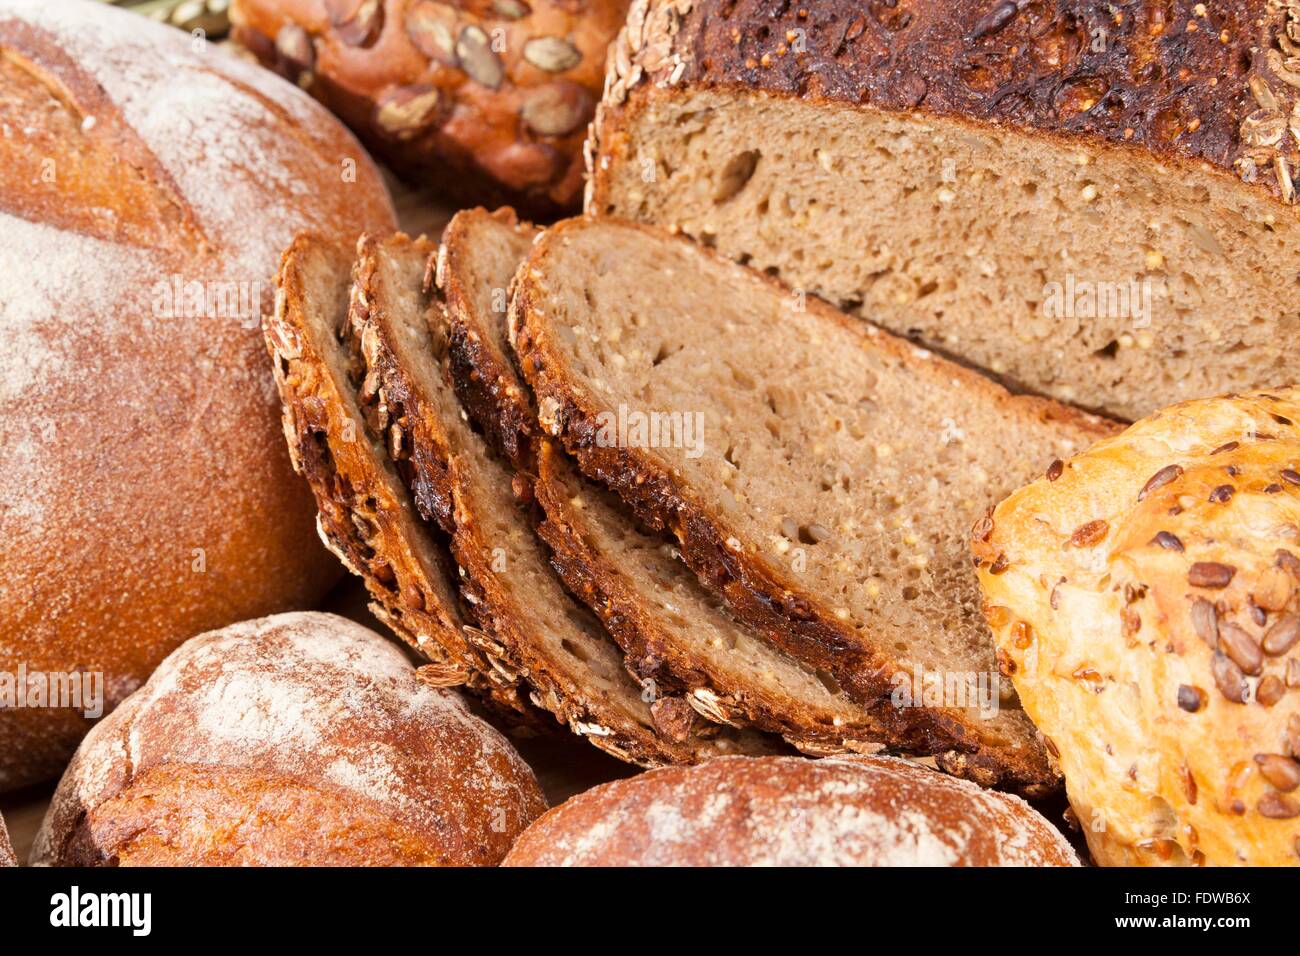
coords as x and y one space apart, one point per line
1143 595
145 493
300 739
7 857
791 811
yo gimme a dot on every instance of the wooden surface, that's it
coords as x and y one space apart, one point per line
564 764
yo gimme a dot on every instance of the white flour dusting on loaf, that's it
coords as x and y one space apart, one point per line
785 811
311 698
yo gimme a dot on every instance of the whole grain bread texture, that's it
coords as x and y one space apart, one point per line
7 857
1092 201
488 101
791 811
295 740
365 514
548 639
818 473
1144 599
145 492
478 256
674 632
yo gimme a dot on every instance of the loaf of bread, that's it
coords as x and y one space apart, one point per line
489 100
1144 599
790 811
1091 200
7 857
671 629
818 473
295 740
145 494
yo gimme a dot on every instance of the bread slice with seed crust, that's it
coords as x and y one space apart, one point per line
553 642
477 259
671 629
365 515
840 470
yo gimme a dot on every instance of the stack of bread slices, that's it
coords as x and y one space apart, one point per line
601 472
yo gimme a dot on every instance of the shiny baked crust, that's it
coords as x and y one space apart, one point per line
299 739
487 99
1143 597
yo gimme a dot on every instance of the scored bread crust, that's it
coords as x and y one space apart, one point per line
1130 592
441 461
786 811
365 516
484 374
760 594
618 586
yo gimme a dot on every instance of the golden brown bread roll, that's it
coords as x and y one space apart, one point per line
1144 599
487 99
145 495
300 739
791 811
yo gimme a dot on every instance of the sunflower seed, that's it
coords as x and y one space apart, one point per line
478 59
552 54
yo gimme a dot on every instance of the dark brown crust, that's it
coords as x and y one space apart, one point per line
434 479
492 392
1151 76
350 494
653 655
761 596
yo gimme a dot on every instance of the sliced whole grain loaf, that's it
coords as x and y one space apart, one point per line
839 471
672 630
1096 201
365 515
550 640
477 258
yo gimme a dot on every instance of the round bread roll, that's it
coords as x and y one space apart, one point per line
487 99
791 811
151 184
300 739
1144 597
7 857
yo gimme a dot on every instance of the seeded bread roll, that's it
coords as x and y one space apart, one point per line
1144 600
790 811
295 740
7 857
145 493
487 99
1093 200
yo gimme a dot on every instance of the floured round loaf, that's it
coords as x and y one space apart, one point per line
1145 598
789 811
145 493
300 739
7 857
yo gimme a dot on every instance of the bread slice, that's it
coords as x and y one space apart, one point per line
365 514
672 630
667 622
839 470
1095 205
477 259
561 649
